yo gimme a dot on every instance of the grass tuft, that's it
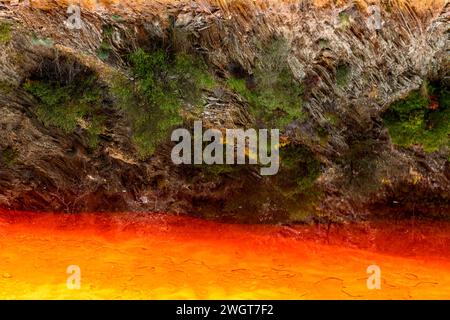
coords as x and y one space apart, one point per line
5 32
69 106
423 118
154 100
274 95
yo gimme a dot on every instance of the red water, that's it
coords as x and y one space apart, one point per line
153 256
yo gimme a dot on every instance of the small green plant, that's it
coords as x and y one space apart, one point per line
342 75
46 42
192 76
105 48
332 118
323 135
344 19
299 170
6 87
153 102
104 51
295 183
5 32
277 105
212 172
9 156
117 18
276 97
323 43
421 119
69 106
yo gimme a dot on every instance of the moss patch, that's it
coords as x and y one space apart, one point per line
296 182
421 119
9 156
69 106
342 75
240 192
45 42
6 87
105 48
162 85
274 95
298 172
5 32
344 19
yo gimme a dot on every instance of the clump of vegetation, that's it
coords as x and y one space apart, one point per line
421 119
360 165
46 42
342 75
192 77
9 156
290 194
344 19
5 32
153 102
323 135
69 106
299 170
117 18
273 93
6 87
323 43
104 51
295 183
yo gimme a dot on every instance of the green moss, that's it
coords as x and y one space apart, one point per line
105 48
5 32
153 102
323 135
195 68
295 183
46 42
240 87
276 97
212 172
6 87
9 156
292 192
69 106
344 19
421 119
159 105
299 170
117 18
104 51
94 130
342 75
323 43
332 118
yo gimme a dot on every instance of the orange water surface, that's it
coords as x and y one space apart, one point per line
154 256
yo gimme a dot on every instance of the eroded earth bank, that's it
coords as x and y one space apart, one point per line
87 107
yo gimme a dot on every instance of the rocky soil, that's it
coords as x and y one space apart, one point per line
341 161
